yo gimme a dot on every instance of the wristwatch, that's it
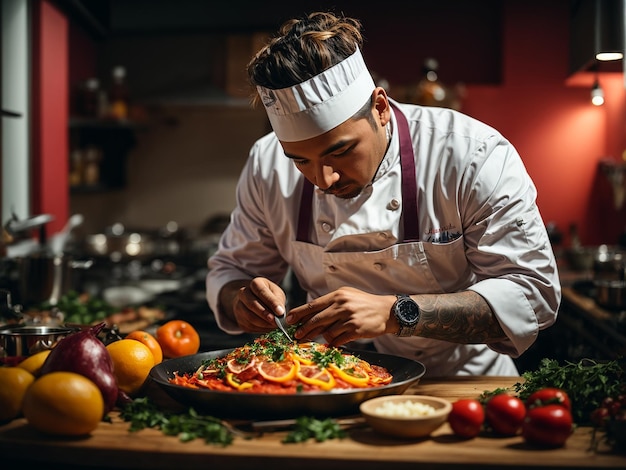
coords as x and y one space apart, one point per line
407 312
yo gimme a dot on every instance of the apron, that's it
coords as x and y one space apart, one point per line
402 268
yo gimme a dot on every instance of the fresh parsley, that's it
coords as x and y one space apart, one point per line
187 425
587 383
307 428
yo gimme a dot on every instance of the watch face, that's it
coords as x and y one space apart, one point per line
407 311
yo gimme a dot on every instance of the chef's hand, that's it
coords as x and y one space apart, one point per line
344 315
253 304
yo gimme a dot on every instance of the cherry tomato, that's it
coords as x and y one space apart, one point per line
466 417
505 414
178 338
547 426
549 396
600 416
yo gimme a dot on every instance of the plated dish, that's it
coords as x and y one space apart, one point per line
234 404
274 363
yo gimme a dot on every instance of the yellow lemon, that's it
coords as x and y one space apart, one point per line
63 404
132 361
33 363
14 381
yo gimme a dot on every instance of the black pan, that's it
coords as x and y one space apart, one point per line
274 406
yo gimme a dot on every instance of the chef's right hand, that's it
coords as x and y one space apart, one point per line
255 304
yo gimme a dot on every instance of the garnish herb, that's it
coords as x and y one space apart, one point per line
311 428
188 425
587 383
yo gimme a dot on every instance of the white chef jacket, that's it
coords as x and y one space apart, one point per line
479 225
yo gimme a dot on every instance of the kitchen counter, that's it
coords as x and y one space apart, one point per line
112 446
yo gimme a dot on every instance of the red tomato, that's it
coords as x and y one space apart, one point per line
547 426
466 417
178 338
505 414
549 396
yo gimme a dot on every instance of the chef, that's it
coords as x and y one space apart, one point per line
412 227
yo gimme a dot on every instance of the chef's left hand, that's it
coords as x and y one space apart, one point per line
344 315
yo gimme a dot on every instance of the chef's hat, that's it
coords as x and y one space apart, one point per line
321 103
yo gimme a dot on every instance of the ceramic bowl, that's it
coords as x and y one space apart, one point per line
403 416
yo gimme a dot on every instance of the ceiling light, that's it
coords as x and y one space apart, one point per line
597 94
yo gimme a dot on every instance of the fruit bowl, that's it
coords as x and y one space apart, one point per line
406 416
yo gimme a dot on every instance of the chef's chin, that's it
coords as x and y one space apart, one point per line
345 192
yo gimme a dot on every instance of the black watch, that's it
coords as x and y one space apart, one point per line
407 312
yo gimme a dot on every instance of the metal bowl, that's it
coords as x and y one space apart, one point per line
244 405
26 340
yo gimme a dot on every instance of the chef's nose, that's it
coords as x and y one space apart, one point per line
326 177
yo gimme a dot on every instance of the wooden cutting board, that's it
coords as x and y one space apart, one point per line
111 445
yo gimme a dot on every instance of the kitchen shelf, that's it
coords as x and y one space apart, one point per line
114 139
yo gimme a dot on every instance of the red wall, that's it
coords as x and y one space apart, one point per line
50 115
548 116
543 111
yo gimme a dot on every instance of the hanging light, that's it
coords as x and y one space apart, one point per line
609 30
597 94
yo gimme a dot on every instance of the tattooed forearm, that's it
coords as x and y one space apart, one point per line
462 317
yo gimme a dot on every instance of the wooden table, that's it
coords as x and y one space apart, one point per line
112 446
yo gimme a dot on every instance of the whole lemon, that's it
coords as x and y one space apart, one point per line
33 363
14 381
132 361
63 404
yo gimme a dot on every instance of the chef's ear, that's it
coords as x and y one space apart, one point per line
381 105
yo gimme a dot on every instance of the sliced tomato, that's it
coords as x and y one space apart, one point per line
281 371
236 366
316 376
379 375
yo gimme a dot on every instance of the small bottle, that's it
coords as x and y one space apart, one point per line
430 91
119 95
89 101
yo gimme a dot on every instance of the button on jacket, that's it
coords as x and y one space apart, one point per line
480 229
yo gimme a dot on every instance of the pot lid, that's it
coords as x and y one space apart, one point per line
15 226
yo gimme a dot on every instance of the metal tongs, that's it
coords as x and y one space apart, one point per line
281 322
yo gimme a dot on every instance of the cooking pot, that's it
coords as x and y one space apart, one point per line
26 340
611 294
45 278
606 262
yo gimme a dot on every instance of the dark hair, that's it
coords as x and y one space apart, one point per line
304 48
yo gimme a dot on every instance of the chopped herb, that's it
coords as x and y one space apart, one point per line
311 428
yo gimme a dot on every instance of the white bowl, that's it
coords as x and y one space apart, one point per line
411 425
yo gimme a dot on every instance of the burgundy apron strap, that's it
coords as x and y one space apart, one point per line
304 216
409 185
409 189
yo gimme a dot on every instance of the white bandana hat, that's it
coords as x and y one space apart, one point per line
321 103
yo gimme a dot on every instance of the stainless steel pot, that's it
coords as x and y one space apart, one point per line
44 278
21 340
611 294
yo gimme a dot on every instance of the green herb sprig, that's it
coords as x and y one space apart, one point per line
311 428
587 382
187 425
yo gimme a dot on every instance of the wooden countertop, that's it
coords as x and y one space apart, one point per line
111 445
